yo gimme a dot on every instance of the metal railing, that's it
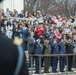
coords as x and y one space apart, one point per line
49 55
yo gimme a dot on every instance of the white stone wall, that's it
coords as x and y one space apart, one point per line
12 4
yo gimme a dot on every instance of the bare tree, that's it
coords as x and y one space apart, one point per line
61 7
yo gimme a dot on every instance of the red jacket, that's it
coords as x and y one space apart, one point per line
40 31
58 35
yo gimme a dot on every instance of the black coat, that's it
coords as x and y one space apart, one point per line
69 48
9 57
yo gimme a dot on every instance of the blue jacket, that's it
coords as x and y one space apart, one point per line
38 48
62 48
21 15
24 33
55 48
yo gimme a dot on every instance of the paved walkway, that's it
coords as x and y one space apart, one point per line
56 74
71 73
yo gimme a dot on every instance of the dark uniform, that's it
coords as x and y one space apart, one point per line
55 50
38 50
9 57
62 50
47 50
69 50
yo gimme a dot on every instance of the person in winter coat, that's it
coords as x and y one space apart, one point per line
69 50
55 50
47 50
40 30
38 50
24 33
16 31
62 50
30 44
9 30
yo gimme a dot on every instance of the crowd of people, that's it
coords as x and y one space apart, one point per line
46 34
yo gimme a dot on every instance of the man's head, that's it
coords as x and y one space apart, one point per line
47 41
32 33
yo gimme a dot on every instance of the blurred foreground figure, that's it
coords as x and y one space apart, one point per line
12 58
1 0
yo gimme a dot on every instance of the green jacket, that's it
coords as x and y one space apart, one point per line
46 48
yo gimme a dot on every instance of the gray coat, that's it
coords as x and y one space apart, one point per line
31 46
